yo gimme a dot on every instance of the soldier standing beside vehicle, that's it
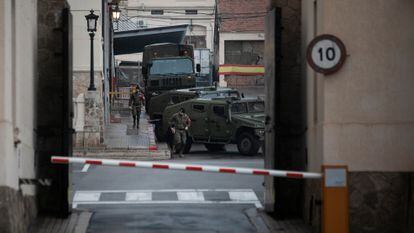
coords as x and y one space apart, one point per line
179 124
135 102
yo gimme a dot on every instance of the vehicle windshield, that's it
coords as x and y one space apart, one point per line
171 66
238 108
255 107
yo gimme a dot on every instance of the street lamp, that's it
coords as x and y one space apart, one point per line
116 13
91 20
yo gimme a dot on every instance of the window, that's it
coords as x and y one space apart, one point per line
175 99
198 107
157 12
238 108
171 66
219 111
190 12
256 107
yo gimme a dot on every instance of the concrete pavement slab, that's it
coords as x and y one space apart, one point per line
164 196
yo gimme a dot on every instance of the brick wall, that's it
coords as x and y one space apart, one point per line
244 53
242 15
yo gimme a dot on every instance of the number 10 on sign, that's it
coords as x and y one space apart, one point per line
326 54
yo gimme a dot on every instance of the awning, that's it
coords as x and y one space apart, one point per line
242 70
134 41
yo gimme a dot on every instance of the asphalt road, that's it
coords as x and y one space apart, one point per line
155 200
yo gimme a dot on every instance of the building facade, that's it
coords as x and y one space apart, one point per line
18 80
89 133
241 38
198 15
361 116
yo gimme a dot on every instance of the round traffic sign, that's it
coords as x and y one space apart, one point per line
326 54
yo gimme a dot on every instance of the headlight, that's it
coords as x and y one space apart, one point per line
259 132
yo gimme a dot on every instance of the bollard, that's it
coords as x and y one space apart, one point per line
335 216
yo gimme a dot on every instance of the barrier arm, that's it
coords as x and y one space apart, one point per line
186 167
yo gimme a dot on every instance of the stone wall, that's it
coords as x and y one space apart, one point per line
91 134
93 131
381 202
81 82
16 211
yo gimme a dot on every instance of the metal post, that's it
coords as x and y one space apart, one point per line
91 83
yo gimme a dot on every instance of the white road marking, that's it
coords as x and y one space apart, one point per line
89 196
190 196
242 196
81 197
85 168
185 196
164 190
138 196
257 204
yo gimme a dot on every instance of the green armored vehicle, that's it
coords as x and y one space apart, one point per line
160 102
216 122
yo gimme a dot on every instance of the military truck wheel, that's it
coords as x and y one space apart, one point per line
247 144
215 147
147 105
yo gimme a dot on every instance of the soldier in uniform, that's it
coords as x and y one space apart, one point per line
135 102
179 124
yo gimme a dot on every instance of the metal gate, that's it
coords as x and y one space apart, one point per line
120 102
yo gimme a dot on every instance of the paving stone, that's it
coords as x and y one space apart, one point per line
112 197
216 196
164 196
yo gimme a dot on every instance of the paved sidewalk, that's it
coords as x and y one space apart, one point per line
122 141
123 135
77 222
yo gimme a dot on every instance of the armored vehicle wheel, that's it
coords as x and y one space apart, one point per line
215 147
247 144
158 132
188 145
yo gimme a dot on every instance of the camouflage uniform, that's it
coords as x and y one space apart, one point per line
135 102
179 121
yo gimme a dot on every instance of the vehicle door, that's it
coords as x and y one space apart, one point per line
218 123
198 114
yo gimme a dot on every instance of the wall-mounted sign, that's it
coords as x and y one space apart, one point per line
326 54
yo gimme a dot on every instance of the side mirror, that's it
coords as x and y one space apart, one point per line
198 68
242 95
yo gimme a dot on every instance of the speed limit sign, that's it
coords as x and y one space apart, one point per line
326 54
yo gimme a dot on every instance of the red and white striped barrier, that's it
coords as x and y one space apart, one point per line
186 167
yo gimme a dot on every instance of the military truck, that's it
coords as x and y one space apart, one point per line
165 67
216 122
160 102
